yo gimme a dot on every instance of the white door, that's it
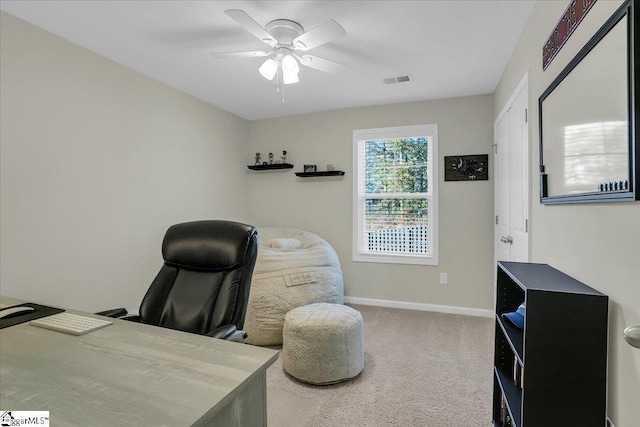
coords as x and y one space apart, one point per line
502 189
512 179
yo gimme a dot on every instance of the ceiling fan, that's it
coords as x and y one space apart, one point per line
288 41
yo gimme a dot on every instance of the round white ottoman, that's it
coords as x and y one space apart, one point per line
323 343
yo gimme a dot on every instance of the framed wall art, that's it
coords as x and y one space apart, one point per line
466 168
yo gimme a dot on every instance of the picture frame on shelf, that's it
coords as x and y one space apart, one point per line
310 168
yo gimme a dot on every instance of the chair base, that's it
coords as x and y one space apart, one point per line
237 336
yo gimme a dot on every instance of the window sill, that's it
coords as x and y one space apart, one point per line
395 259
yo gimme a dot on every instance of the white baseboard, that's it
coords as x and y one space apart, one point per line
467 311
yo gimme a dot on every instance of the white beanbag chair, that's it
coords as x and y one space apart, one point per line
294 268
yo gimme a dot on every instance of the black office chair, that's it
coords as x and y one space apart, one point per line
203 286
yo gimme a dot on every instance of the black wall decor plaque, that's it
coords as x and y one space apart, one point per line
466 168
569 21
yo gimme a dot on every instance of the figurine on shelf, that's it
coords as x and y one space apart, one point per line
270 158
284 156
257 158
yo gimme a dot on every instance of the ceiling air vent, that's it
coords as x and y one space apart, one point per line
397 79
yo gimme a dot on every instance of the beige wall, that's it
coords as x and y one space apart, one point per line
598 244
97 162
324 205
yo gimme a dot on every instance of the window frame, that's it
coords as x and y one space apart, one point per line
398 132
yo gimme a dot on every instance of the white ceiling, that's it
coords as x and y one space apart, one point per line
451 48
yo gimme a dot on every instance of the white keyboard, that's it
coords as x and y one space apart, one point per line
71 323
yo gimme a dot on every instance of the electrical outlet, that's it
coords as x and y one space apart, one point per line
610 423
444 278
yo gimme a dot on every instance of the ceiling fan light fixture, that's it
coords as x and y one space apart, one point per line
289 63
286 37
290 70
268 69
289 78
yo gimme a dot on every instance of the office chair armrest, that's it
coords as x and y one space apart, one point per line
131 319
222 332
114 312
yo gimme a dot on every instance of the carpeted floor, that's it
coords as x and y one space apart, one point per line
421 369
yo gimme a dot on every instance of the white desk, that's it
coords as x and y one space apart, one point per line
130 374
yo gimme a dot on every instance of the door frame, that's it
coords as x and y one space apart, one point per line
523 85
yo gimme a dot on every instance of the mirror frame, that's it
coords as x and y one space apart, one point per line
633 82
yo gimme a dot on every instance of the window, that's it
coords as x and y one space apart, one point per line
395 195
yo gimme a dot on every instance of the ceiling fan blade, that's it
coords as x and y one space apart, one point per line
241 17
248 54
323 33
322 64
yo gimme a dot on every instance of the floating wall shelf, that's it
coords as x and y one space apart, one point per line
270 167
321 173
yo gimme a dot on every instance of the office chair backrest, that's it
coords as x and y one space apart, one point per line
205 280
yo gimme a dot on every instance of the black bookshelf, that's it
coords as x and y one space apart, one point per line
554 372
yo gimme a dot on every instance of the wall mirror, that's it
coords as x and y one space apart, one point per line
589 117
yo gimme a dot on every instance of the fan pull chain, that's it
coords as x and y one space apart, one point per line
278 82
